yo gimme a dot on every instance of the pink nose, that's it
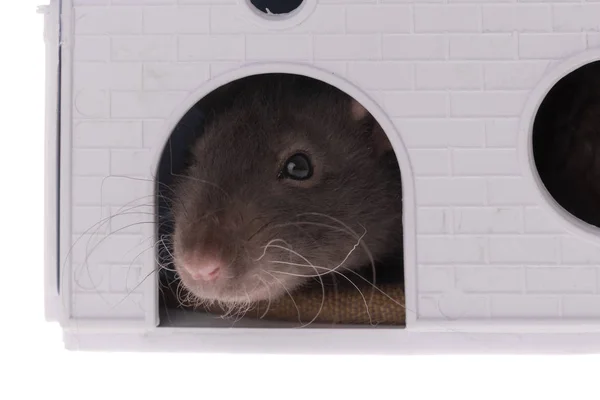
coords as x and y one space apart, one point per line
205 270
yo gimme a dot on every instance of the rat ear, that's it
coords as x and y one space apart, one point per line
380 141
358 111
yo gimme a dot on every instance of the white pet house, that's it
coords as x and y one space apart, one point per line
492 262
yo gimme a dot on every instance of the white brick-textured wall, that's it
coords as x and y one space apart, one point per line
453 77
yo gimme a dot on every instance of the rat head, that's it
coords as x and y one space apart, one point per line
290 180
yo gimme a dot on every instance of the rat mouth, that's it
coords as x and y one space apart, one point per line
206 280
244 294
231 290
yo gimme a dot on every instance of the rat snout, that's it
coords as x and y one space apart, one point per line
202 268
211 252
205 258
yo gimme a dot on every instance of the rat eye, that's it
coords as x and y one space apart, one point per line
297 167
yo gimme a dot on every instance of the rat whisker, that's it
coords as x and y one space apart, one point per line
333 269
166 249
85 267
329 270
241 306
251 306
227 308
269 295
283 225
97 225
195 179
364 246
308 234
375 287
162 290
259 229
85 264
248 302
134 288
179 294
322 303
265 247
151 272
153 180
318 276
235 311
230 308
242 309
288 293
101 241
344 229
162 267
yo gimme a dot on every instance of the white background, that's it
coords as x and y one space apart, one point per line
33 363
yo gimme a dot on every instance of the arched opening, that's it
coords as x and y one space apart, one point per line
276 7
276 14
351 299
566 143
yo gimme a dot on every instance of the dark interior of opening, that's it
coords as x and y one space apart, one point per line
566 143
174 161
276 6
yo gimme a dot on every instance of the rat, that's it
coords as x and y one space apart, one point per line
566 143
291 180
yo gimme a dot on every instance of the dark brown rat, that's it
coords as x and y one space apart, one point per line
566 143
290 179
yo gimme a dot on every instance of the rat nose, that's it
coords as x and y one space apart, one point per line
201 268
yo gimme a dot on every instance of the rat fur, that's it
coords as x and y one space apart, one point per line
272 235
